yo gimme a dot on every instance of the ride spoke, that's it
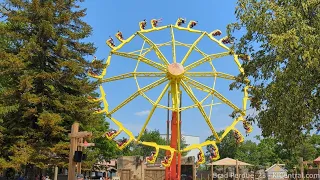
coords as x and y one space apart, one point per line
201 109
218 42
211 74
205 88
142 59
158 45
137 93
134 74
155 48
205 59
155 105
191 48
173 45
193 106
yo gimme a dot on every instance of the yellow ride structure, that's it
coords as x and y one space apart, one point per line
176 76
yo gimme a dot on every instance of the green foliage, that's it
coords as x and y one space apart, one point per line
269 151
150 136
43 82
282 37
227 148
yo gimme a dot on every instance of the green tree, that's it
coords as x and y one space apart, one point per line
227 148
315 141
282 37
151 136
46 85
248 152
269 150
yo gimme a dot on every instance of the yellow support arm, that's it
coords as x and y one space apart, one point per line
231 127
193 106
205 88
245 98
155 29
236 60
187 29
137 93
205 59
155 48
192 48
201 109
158 147
111 136
129 133
123 42
211 74
134 74
218 42
142 59
173 45
152 110
200 148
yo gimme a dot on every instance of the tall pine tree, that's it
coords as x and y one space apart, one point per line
44 85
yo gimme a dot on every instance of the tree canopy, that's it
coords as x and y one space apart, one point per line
43 81
282 37
265 152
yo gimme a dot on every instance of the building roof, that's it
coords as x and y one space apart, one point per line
276 167
228 162
317 161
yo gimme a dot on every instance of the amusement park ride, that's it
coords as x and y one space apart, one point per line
176 75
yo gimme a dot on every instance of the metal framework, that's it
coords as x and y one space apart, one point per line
176 77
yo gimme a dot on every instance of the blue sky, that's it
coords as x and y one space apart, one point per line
107 17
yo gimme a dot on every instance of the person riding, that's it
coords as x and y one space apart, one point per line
181 21
246 126
237 137
193 24
244 57
98 109
216 33
199 156
112 132
227 40
110 40
119 34
213 153
166 159
143 24
121 142
155 22
150 158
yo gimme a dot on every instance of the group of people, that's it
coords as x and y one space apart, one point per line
212 151
111 132
247 127
110 41
227 40
237 136
143 24
151 158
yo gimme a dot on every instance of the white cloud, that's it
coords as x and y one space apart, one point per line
142 113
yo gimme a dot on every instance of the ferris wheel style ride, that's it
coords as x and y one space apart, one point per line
177 77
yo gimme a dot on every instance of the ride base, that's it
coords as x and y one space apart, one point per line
174 171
